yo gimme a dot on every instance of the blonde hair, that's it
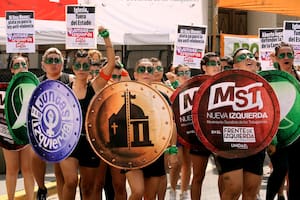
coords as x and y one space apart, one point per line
55 51
93 52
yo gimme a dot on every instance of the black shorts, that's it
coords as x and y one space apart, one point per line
85 154
200 150
253 164
156 169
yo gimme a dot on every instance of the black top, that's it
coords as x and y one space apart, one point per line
84 103
65 78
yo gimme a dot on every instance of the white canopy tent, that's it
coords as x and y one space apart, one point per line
130 22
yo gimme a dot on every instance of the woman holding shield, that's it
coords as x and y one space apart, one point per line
83 158
241 175
284 56
18 159
210 65
144 182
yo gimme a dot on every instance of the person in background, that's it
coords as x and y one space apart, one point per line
18 159
158 77
183 73
144 182
226 63
52 63
241 175
111 174
210 65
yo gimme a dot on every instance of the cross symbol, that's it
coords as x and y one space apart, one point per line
114 126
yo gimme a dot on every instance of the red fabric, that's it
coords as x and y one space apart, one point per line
43 9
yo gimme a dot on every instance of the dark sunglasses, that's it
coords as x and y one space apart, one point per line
19 65
244 56
213 63
184 73
83 66
143 69
288 54
116 76
51 60
227 67
81 54
94 72
95 64
159 68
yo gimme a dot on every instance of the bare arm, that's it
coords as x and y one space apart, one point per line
101 80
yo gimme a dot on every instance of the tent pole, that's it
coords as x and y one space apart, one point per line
215 25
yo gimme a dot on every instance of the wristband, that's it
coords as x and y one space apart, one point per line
172 150
175 84
104 76
124 73
104 33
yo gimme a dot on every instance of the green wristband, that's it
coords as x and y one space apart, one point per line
175 84
104 33
172 150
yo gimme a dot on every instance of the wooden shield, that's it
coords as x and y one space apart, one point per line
236 113
129 124
163 88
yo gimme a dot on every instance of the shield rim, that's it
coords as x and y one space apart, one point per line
160 84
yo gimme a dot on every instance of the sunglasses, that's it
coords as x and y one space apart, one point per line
95 64
116 76
213 63
19 65
184 73
51 60
159 68
288 54
143 69
81 54
94 72
83 66
227 67
244 56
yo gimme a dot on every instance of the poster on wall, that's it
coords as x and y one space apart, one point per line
229 43
20 32
81 32
189 46
291 35
269 38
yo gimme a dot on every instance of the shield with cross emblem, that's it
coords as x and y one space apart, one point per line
129 124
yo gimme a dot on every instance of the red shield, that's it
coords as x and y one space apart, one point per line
182 102
236 113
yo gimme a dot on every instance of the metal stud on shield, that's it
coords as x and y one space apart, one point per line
236 113
54 120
